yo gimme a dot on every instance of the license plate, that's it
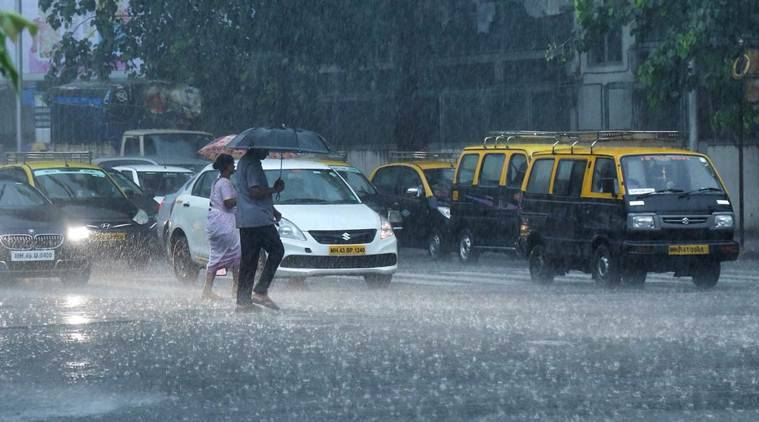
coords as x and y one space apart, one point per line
26 256
109 237
347 250
689 250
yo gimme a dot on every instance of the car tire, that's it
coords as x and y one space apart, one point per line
76 279
378 281
185 270
436 245
541 269
706 274
467 253
604 267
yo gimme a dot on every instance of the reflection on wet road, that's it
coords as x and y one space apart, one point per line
442 343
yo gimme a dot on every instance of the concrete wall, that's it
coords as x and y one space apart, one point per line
725 158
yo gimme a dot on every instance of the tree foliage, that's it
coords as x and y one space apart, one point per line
692 45
11 27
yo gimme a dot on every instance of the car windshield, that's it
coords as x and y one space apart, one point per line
307 186
440 181
645 174
357 181
14 195
162 183
72 184
173 146
124 183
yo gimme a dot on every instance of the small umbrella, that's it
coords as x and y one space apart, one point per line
220 146
282 139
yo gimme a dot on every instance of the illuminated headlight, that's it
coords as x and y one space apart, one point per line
77 233
288 230
446 211
386 229
724 221
141 217
643 222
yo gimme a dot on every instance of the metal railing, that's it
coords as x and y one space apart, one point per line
590 139
22 157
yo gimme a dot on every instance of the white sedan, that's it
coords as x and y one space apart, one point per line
156 179
325 228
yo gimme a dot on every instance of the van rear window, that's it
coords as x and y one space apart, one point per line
540 178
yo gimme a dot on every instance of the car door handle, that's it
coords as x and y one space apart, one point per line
186 205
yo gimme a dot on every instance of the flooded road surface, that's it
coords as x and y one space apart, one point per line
444 342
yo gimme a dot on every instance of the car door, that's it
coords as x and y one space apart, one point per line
191 213
410 194
486 191
385 179
511 192
566 208
463 207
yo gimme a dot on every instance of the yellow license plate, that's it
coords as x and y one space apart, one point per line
109 237
347 250
689 250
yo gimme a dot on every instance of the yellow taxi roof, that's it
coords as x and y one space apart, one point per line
526 148
615 151
423 164
49 164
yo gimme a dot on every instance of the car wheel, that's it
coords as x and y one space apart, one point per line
706 275
378 281
435 245
467 253
76 279
605 268
184 269
541 270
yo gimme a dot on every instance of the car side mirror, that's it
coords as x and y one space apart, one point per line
414 192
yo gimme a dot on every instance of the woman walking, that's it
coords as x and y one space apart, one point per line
223 236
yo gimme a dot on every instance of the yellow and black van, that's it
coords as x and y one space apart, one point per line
619 212
486 191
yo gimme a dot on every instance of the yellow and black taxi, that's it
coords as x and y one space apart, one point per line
619 212
36 239
486 191
419 189
115 225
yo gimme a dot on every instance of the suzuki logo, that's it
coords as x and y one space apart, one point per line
685 221
346 236
105 226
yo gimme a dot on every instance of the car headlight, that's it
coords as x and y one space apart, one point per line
643 222
446 211
141 217
77 233
289 230
723 221
386 229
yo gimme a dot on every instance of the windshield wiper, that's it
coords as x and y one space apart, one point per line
303 201
709 189
643 195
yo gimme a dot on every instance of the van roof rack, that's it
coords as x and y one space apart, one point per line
23 157
574 138
422 155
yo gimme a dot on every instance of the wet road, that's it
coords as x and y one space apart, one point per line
442 343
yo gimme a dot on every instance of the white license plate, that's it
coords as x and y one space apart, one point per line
21 256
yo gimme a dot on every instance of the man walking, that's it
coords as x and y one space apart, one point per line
256 219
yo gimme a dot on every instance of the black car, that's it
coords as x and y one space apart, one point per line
36 240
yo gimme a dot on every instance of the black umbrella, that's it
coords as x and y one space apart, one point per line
282 139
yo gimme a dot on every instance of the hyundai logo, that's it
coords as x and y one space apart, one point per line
346 236
685 221
105 226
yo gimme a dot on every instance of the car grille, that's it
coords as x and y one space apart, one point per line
339 262
685 220
343 237
22 242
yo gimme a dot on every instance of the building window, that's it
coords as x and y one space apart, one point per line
608 49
